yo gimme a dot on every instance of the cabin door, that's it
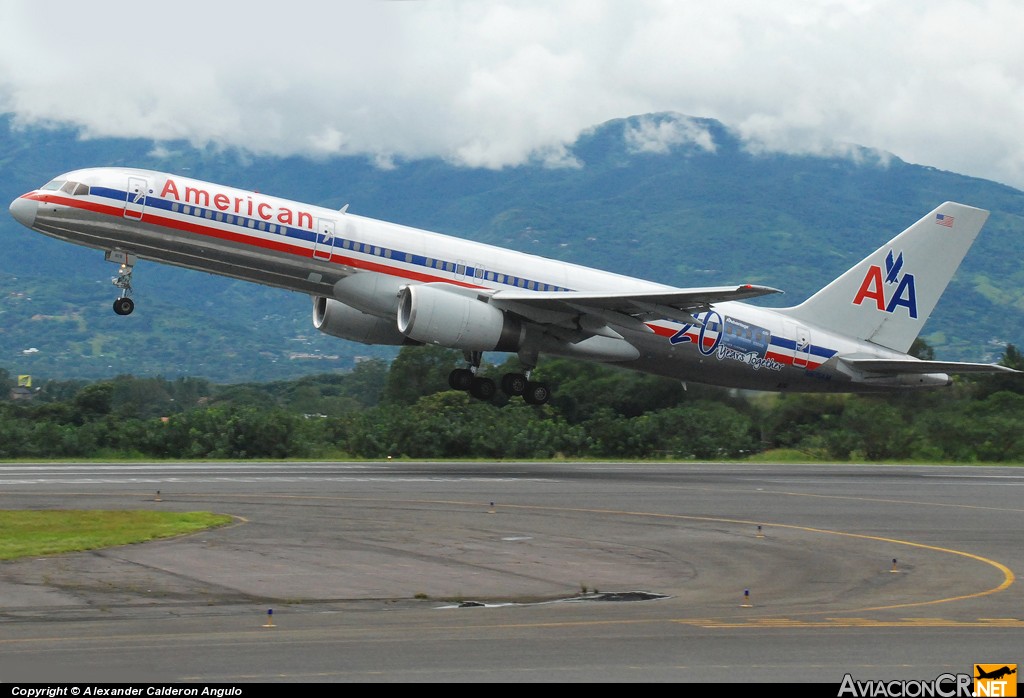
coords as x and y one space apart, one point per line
135 201
323 241
802 350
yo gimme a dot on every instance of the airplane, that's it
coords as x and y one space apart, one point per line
995 674
380 283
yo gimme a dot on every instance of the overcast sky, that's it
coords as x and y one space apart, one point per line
493 84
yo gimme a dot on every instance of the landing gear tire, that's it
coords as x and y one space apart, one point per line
536 394
513 384
482 388
124 306
461 379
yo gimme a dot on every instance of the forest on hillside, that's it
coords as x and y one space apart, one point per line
407 410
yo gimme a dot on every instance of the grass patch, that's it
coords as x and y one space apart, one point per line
789 455
49 532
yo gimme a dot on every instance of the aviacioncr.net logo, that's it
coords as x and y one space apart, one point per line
943 686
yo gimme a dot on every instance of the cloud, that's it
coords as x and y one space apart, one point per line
661 135
488 83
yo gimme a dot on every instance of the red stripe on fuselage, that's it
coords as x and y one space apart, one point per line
230 236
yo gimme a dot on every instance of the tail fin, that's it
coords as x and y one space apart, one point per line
887 297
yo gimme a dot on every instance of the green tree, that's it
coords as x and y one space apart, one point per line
800 421
700 429
366 382
999 382
582 389
6 383
419 371
93 401
871 428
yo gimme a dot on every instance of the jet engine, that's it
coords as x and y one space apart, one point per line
434 315
339 320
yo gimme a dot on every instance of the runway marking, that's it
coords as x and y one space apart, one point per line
884 500
261 479
854 623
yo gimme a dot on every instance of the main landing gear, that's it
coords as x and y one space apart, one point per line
483 388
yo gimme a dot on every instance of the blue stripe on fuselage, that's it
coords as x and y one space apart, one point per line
340 245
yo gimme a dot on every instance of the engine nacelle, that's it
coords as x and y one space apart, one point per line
370 292
433 315
339 320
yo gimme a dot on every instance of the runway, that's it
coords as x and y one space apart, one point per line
769 573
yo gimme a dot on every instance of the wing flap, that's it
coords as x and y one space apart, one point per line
916 366
626 308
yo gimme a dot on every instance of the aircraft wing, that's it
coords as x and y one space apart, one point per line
915 366
626 308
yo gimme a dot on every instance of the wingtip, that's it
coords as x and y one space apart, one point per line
761 290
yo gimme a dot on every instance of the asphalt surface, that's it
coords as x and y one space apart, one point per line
364 566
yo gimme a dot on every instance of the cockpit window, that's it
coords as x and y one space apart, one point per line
54 184
75 188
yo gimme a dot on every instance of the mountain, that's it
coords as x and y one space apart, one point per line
662 196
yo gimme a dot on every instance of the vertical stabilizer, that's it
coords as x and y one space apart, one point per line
887 297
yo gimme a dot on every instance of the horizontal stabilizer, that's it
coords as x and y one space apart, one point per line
915 366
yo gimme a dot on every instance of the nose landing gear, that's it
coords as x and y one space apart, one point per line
124 305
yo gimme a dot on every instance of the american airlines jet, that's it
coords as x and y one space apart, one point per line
380 283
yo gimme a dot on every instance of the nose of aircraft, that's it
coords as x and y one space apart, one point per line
24 211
